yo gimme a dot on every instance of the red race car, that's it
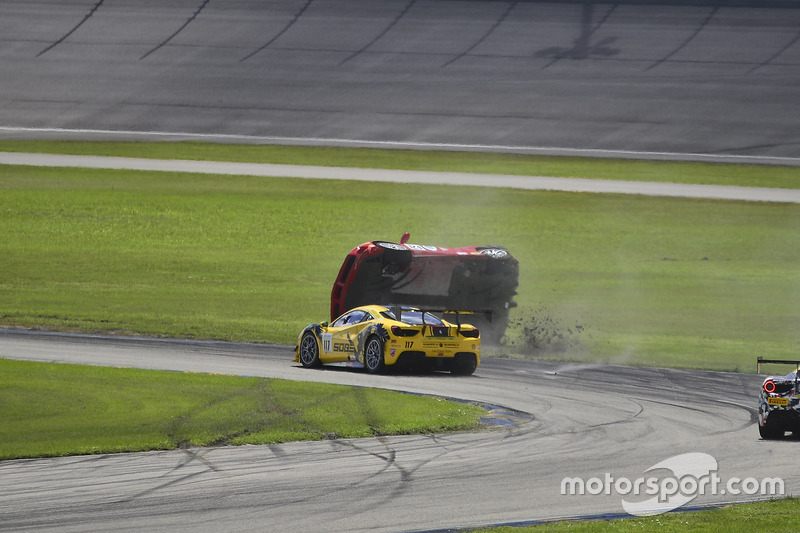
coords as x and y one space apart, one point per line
475 279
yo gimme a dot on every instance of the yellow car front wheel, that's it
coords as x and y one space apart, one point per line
309 351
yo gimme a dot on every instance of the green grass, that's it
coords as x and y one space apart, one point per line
655 281
479 162
765 517
668 282
59 409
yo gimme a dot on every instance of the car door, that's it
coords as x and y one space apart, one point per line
340 343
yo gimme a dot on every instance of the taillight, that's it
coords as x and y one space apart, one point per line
402 332
769 386
470 333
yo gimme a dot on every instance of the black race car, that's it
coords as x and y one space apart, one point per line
779 403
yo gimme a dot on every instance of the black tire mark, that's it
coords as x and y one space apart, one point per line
193 455
277 36
751 412
486 35
777 54
189 21
687 41
582 46
74 29
381 34
628 418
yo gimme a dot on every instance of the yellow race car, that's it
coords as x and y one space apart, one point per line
375 337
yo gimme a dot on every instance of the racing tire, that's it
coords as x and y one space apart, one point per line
495 252
394 254
464 365
769 433
309 351
390 246
373 355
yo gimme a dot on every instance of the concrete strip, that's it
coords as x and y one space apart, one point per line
716 192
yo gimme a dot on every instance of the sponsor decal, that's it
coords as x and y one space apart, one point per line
778 401
424 248
344 347
327 342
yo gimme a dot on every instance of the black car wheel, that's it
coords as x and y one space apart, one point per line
309 351
769 432
464 365
496 253
373 355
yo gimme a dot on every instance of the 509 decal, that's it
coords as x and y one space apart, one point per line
344 347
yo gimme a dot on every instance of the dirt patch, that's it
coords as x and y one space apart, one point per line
540 331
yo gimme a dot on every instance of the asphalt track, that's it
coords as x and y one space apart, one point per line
713 78
589 421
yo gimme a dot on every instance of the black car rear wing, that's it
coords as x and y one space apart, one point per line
796 364
397 310
761 361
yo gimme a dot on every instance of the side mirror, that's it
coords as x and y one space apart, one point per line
324 324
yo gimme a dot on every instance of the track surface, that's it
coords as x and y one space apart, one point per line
704 78
589 420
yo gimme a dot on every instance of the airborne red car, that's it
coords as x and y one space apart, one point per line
474 279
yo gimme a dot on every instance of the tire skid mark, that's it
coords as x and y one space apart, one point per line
486 35
582 47
623 419
169 479
188 21
777 54
752 412
671 384
679 393
278 35
378 37
689 39
389 457
74 29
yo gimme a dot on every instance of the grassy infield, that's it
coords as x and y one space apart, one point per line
53 409
656 281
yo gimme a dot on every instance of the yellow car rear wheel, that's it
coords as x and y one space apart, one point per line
373 355
464 365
